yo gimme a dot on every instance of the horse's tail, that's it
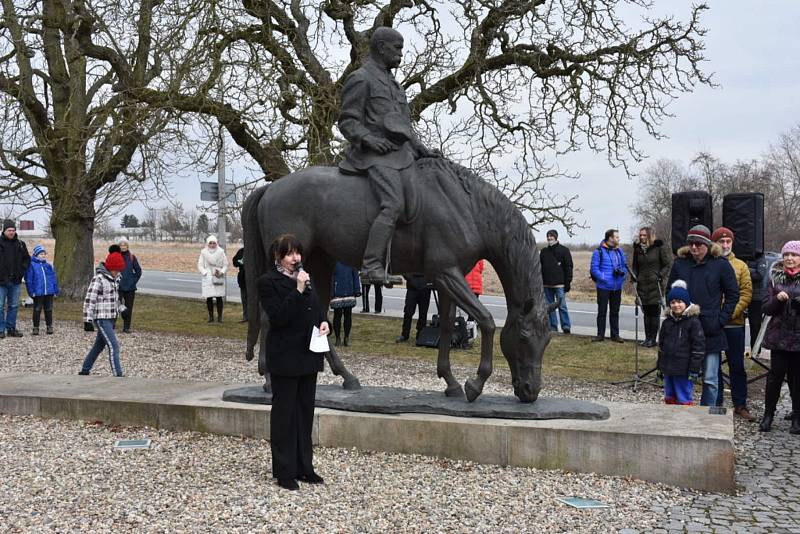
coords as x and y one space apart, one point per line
255 264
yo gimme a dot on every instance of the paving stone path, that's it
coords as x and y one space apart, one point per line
768 473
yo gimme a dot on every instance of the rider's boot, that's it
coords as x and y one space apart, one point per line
373 268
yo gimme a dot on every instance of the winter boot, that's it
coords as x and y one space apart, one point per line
49 329
35 331
795 429
766 422
210 317
337 342
346 341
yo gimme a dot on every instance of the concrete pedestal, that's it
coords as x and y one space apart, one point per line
681 446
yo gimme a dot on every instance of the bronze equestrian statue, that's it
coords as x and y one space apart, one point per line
368 211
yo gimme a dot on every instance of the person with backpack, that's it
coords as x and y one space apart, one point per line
42 286
608 271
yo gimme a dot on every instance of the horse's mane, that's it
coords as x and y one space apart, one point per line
498 212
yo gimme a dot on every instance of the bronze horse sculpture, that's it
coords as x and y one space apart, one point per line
459 220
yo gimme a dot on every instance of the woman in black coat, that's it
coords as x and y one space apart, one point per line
652 261
294 310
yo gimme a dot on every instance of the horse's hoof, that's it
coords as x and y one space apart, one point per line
472 390
267 387
249 355
454 391
351 384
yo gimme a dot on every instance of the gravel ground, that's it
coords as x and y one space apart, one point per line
65 476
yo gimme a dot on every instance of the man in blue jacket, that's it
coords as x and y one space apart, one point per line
608 270
712 285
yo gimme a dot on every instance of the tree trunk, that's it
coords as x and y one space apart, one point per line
74 250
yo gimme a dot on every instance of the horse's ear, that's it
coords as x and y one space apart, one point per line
527 307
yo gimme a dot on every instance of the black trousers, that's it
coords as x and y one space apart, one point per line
783 364
210 306
608 304
290 423
378 297
127 299
338 313
43 302
415 298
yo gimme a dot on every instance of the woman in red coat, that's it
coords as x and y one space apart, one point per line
475 278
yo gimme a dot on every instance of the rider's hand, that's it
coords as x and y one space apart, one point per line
783 296
381 145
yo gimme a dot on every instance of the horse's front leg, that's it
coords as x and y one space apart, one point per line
443 370
462 295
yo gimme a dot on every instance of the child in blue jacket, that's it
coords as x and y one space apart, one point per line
40 279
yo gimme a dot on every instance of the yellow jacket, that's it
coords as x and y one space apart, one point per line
745 289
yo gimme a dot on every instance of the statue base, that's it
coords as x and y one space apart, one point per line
388 400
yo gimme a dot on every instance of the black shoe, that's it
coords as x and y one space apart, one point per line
346 342
766 423
337 343
243 320
219 319
289 484
364 310
210 318
49 330
567 331
401 339
617 339
35 331
795 429
83 374
596 339
313 478
788 416
14 333
2 335
126 330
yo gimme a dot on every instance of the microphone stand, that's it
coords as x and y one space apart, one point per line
637 378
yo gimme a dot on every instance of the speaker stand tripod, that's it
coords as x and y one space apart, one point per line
637 377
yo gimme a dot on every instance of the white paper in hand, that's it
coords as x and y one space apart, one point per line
319 343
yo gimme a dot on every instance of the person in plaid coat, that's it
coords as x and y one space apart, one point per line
100 307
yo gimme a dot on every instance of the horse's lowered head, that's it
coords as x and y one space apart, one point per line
523 341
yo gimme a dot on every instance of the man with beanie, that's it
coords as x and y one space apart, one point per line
734 330
556 263
712 286
100 307
14 262
681 346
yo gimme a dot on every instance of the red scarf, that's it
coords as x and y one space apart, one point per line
792 272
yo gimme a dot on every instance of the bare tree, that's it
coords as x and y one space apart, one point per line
514 79
69 142
783 213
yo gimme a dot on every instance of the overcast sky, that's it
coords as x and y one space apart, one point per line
753 49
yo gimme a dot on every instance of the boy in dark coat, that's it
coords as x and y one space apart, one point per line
681 346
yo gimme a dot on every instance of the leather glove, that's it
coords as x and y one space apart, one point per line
566 289
694 377
88 327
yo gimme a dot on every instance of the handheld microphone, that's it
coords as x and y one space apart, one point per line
301 270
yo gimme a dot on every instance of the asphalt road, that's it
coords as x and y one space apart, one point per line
583 315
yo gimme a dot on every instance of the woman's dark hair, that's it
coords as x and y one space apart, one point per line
284 245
